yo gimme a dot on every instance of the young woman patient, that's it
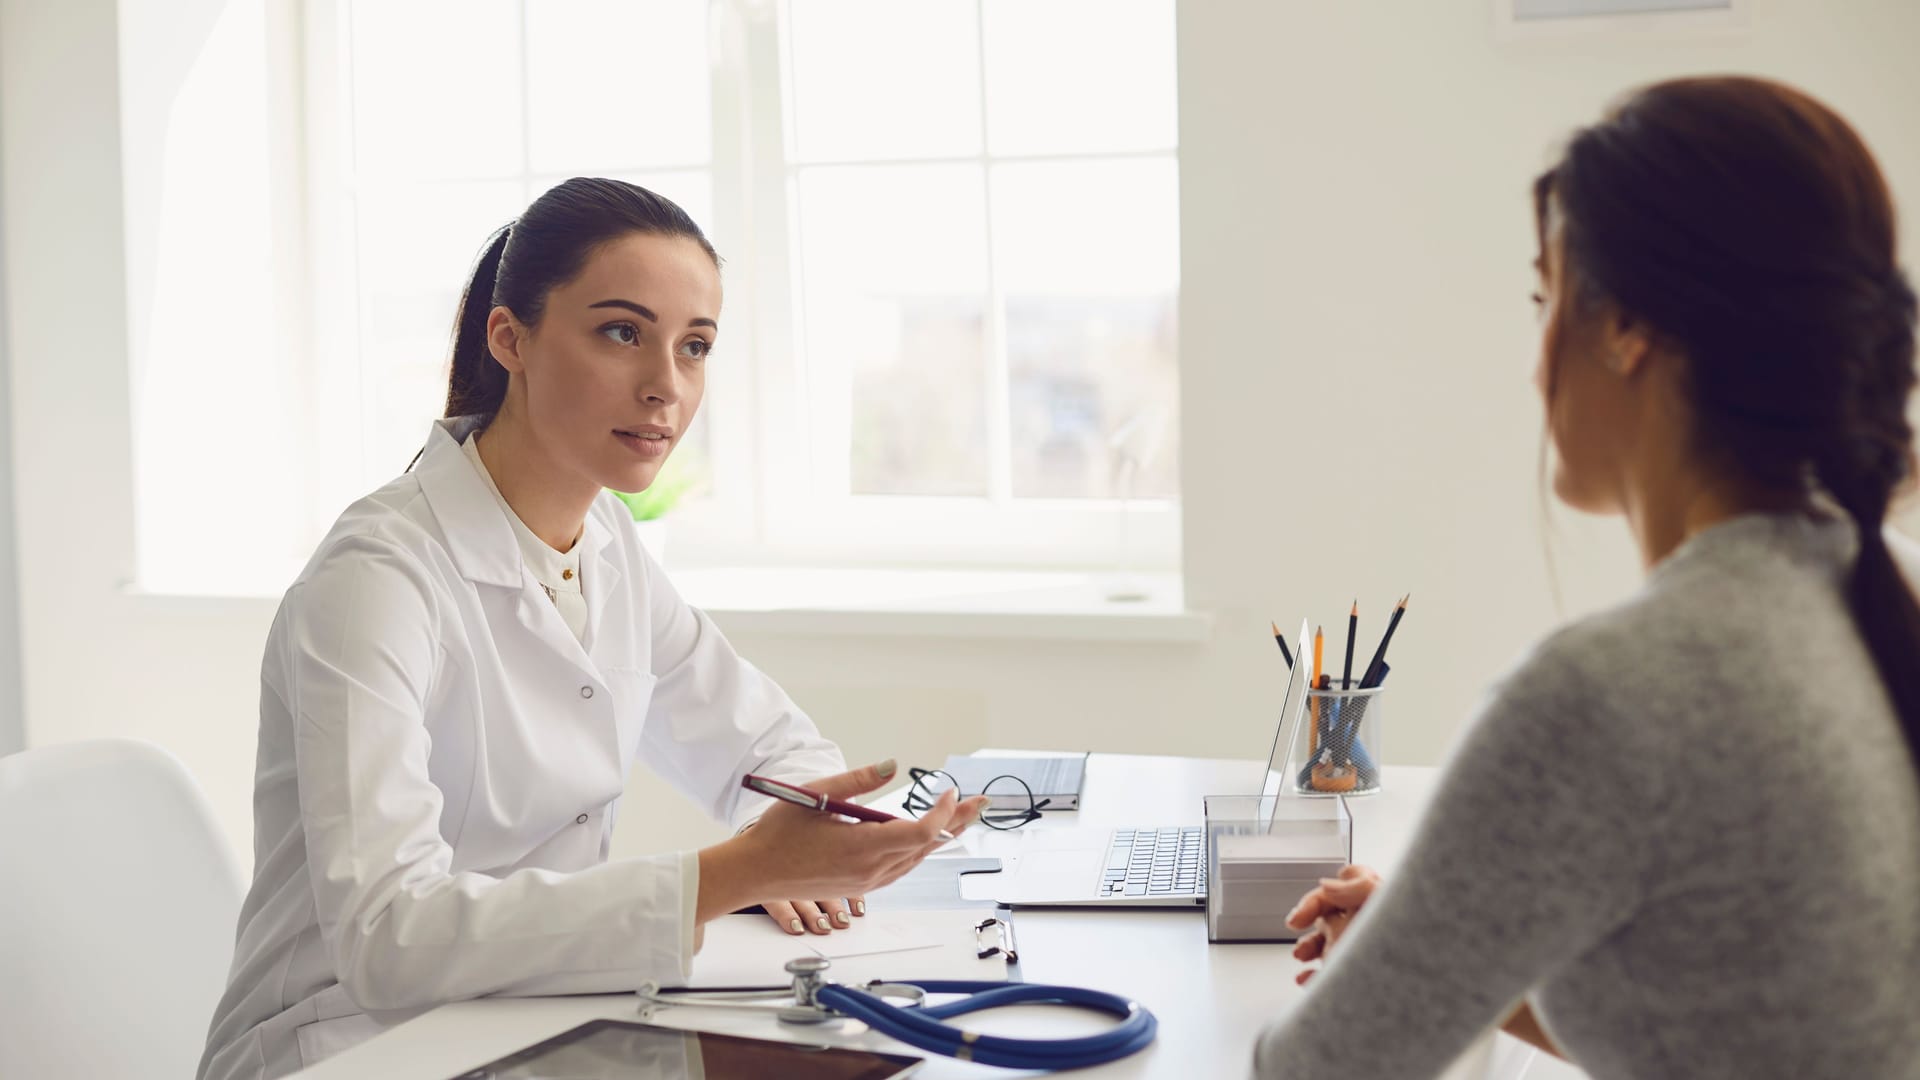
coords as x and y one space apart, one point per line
1682 838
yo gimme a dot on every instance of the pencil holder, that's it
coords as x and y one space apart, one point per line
1337 750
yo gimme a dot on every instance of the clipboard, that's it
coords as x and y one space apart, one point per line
935 883
887 944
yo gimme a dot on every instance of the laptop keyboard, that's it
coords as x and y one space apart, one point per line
1156 862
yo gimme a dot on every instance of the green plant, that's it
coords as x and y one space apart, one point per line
671 484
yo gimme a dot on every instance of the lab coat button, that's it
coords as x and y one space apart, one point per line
581 820
586 691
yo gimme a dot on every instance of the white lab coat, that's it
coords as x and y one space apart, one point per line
441 762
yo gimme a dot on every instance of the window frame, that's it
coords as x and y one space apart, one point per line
766 505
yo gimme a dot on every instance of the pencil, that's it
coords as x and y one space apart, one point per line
1353 630
1281 640
1376 670
1319 704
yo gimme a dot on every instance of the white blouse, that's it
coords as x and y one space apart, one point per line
558 572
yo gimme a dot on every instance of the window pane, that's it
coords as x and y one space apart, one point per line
1048 92
216 404
617 84
417 248
894 273
1088 255
885 79
436 88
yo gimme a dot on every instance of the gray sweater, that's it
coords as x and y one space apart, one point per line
1687 829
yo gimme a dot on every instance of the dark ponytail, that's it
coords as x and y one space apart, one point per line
476 383
1862 468
1747 224
545 247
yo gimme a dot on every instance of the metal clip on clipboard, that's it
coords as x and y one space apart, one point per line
1002 943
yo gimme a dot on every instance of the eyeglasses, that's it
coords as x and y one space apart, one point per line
1010 801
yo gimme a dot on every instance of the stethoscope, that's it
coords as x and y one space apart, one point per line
812 999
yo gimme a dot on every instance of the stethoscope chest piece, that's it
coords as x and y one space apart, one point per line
809 976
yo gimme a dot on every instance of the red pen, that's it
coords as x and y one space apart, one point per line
815 800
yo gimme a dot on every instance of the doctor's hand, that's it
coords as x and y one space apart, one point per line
828 862
1331 905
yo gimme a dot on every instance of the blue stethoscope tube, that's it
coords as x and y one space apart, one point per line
920 1025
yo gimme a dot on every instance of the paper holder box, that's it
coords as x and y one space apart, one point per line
1265 852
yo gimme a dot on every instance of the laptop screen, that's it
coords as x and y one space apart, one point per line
1293 707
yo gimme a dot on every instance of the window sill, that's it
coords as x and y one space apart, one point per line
1053 605
944 603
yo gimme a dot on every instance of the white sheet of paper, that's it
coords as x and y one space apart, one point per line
868 936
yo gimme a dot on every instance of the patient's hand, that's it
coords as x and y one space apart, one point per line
1329 909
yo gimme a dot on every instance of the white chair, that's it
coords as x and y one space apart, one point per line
117 914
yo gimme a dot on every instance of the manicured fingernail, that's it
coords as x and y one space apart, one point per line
821 922
840 917
886 769
859 907
797 928
946 836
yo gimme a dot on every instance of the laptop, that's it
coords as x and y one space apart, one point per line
1141 866
1056 780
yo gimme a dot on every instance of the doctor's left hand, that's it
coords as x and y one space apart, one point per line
796 852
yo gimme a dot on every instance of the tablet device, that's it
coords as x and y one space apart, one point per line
617 1049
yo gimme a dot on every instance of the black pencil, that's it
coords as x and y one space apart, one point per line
1353 630
1376 669
1281 640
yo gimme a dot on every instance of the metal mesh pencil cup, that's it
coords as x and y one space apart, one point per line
1337 749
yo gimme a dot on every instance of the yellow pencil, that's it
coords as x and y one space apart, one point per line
1319 658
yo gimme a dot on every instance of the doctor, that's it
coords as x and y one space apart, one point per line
457 686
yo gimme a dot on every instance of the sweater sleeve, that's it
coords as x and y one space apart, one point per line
1529 854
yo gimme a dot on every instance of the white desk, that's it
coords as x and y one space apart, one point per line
1211 1000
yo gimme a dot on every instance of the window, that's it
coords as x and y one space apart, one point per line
951 238
985 272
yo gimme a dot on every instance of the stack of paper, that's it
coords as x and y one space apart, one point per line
1258 877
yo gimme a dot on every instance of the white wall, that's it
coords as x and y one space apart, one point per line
13 735
1354 327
